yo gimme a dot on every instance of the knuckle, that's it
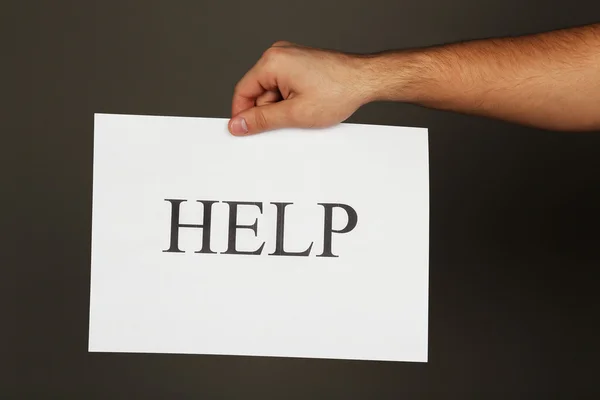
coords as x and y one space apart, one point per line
260 120
276 50
281 43
272 53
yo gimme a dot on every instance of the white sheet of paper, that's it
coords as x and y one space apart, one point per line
368 303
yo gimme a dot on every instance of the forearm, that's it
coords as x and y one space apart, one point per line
549 80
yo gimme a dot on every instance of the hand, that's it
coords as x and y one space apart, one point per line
295 86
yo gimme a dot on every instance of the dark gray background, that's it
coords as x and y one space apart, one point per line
514 211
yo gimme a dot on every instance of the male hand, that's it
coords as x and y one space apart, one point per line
295 86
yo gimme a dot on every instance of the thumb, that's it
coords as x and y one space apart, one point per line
264 118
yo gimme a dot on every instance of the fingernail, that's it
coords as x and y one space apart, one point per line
238 126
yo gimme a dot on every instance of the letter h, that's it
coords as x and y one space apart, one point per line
175 225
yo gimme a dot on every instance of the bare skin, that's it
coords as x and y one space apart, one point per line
549 80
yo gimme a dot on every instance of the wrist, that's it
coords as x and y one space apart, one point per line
392 76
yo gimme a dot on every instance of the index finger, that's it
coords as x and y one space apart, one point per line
247 90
